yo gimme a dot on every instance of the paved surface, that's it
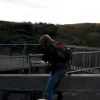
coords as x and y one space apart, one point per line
12 63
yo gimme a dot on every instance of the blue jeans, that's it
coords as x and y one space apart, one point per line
52 82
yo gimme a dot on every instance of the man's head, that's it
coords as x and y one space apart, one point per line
45 40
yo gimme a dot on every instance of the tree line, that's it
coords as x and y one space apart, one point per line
87 34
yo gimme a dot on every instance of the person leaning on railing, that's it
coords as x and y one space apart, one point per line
57 69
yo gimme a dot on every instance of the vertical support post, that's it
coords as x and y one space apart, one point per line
30 64
10 50
24 54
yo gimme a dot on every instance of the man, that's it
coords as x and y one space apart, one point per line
57 67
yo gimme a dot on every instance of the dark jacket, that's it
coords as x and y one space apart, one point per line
50 56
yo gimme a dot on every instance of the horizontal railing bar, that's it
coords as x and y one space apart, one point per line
74 46
18 44
32 55
88 52
11 57
83 47
81 70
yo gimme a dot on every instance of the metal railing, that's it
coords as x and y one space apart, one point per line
88 62
25 49
18 49
85 59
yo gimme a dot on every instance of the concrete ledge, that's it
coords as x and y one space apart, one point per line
29 82
81 96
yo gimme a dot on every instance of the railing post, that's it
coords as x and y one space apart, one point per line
24 56
30 64
24 49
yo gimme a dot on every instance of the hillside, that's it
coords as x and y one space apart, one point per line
87 34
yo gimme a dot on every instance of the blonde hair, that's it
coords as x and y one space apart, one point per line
45 39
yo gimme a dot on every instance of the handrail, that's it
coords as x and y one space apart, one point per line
19 44
82 70
81 59
3 57
74 46
88 52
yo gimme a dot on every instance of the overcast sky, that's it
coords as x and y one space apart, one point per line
50 11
